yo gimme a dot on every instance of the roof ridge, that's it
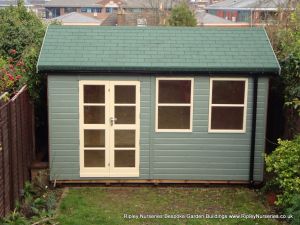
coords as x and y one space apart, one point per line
153 27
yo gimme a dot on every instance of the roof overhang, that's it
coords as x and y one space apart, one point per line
145 70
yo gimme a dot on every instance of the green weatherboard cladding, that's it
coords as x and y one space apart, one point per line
196 155
92 48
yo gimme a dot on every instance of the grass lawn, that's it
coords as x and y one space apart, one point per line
107 205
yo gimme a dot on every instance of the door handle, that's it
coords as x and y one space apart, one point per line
112 120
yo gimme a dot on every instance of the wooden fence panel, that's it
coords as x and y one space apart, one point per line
17 150
1 174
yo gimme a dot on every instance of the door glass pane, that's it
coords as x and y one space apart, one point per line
94 94
228 92
124 158
173 117
124 138
94 158
174 91
230 118
94 114
125 114
124 94
94 138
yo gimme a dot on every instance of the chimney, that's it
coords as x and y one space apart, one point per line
121 17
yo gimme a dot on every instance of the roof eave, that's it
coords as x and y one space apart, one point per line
68 5
246 9
151 70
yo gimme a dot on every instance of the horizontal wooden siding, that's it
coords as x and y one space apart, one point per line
197 156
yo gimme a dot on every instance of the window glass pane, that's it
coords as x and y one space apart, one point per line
94 114
94 138
173 117
230 118
94 158
228 92
124 94
96 9
124 158
174 91
125 114
69 9
94 94
124 138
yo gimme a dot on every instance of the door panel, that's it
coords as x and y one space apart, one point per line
109 128
94 94
94 138
125 114
124 157
94 158
94 114
125 138
94 135
125 94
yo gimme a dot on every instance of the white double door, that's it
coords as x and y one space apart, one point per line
109 128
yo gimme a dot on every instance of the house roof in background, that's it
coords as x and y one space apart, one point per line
148 4
252 4
125 3
170 49
73 3
26 2
207 18
110 20
75 17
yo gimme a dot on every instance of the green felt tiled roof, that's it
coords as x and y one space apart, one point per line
92 48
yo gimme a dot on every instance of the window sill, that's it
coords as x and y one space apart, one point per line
227 131
173 131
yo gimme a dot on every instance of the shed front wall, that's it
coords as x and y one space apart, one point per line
196 155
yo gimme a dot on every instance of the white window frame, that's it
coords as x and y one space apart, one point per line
212 79
191 104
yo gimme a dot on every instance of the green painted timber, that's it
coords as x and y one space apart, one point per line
198 155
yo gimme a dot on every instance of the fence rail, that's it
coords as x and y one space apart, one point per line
17 147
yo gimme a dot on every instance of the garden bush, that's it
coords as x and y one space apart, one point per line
21 33
19 29
21 36
294 210
284 163
37 206
11 74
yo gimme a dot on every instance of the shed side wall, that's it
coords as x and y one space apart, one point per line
198 155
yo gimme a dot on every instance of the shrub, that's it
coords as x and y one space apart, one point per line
15 218
21 36
22 31
37 206
11 74
284 163
294 210
19 29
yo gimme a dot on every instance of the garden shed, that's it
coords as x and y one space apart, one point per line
157 104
